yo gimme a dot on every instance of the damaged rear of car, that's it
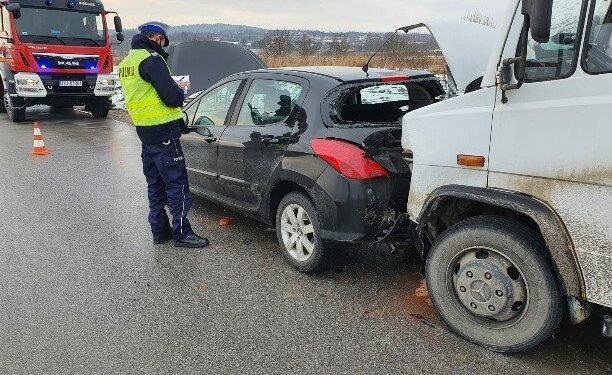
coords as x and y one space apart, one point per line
367 113
362 191
314 151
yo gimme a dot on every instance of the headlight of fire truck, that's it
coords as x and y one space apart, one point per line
105 85
29 85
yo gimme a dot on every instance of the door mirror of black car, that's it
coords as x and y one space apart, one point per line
118 25
14 8
204 131
540 18
204 121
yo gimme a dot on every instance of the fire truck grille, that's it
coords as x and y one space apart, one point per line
66 61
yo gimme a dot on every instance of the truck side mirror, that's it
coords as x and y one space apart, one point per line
14 8
118 24
540 18
120 37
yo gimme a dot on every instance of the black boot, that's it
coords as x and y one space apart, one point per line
192 241
166 236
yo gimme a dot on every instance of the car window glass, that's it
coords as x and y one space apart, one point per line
215 105
384 94
377 104
190 110
557 58
598 53
269 102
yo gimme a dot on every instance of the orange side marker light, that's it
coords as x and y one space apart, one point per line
471 161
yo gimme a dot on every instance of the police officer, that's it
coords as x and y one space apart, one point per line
154 102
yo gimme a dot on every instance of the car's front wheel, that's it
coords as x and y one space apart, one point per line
299 233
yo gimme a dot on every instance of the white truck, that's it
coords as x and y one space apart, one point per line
511 193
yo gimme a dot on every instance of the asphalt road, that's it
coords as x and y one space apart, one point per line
83 289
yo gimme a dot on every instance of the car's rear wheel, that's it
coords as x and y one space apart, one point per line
298 231
493 284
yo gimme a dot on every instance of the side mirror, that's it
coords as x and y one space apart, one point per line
120 37
505 75
14 8
118 25
540 18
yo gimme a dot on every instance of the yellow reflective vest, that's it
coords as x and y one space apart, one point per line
142 100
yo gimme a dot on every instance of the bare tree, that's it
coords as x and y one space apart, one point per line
339 45
479 18
277 43
372 42
306 46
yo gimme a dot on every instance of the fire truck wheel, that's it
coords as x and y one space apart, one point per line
100 107
14 114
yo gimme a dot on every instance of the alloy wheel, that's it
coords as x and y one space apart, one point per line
297 232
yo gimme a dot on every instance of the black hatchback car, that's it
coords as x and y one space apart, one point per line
315 152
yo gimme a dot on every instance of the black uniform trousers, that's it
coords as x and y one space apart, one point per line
166 173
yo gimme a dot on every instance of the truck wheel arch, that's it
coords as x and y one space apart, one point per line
466 201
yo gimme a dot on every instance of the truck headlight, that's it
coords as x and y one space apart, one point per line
27 82
105 85
29 85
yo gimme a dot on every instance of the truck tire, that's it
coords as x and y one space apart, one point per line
2 104
299 233
493 284
14 114
100 108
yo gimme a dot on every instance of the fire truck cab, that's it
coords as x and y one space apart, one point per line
56 53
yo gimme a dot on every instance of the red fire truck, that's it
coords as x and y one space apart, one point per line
56 53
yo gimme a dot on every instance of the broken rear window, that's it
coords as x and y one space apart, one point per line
377 104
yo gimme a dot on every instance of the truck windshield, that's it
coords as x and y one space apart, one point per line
54 26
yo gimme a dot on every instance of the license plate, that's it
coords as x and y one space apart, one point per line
71 83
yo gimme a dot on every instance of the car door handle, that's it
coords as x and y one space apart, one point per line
210 139
274 141
270 141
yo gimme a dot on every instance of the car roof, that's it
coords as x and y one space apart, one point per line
353 74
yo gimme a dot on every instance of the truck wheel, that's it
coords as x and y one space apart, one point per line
2 103
100 108
299 233
492 282
14 114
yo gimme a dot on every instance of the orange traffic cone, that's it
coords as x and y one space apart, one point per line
39 144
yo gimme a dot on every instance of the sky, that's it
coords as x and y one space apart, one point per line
327 15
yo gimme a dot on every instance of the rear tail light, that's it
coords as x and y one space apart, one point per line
348 159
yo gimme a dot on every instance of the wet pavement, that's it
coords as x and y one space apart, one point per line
83 289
